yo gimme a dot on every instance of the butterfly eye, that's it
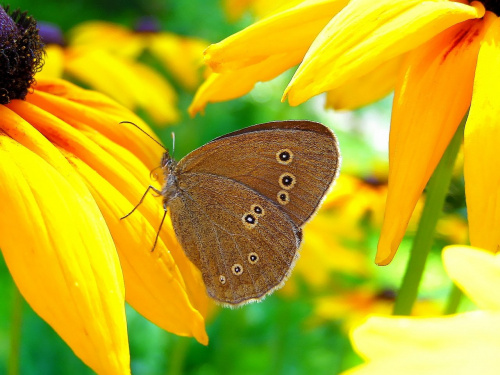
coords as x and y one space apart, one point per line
284 156
237 269
287 181
258 210
283 197
249 220
253 258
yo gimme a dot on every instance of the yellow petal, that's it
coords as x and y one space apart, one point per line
181 56
367 33
476 272
59 251
481 158
235 8
132 84
107 36
235 83
429 104
154 285
366 89
85 108
461 345
291 30
131 179
53 62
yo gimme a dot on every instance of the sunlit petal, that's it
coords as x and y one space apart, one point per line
154 285
367 33
235 83
130 83
85 108
419 137
127 176
107 36
43 198
366 89
291 30
477 272
463 344
481 157
181 56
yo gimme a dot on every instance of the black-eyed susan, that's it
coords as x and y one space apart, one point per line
69 171
440 57
104 56
466 343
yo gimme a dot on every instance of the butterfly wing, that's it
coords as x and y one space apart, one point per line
244 244
292 163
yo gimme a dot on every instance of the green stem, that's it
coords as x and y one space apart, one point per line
178 356
437 188
15 332
454 299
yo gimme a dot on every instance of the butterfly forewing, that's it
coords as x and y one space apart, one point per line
291 163
242 242
238 203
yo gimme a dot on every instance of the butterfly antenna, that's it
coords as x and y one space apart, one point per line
138 127
173 143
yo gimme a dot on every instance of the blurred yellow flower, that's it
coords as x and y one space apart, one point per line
466 343
260 8
104 56
69 171
358 51
336 242
352 306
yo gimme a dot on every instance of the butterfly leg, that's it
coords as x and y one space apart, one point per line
143 196
161 224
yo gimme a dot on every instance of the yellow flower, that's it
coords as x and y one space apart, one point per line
466 343
103 56
335 240
357 51
69 171
235 8
352 306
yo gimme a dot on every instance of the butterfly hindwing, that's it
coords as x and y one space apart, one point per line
243 243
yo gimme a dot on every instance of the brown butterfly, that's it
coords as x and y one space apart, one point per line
239 202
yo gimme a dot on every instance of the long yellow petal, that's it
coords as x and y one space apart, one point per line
107 36
59 250
181 56
477 273
235 83
101 156
366 89
81 108
367 33
154 285
428 105
481 158
461 345
132 84
291 30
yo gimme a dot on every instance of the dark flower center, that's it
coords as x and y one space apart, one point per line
492 6
21 54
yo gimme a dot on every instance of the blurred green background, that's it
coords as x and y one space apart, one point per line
281 335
